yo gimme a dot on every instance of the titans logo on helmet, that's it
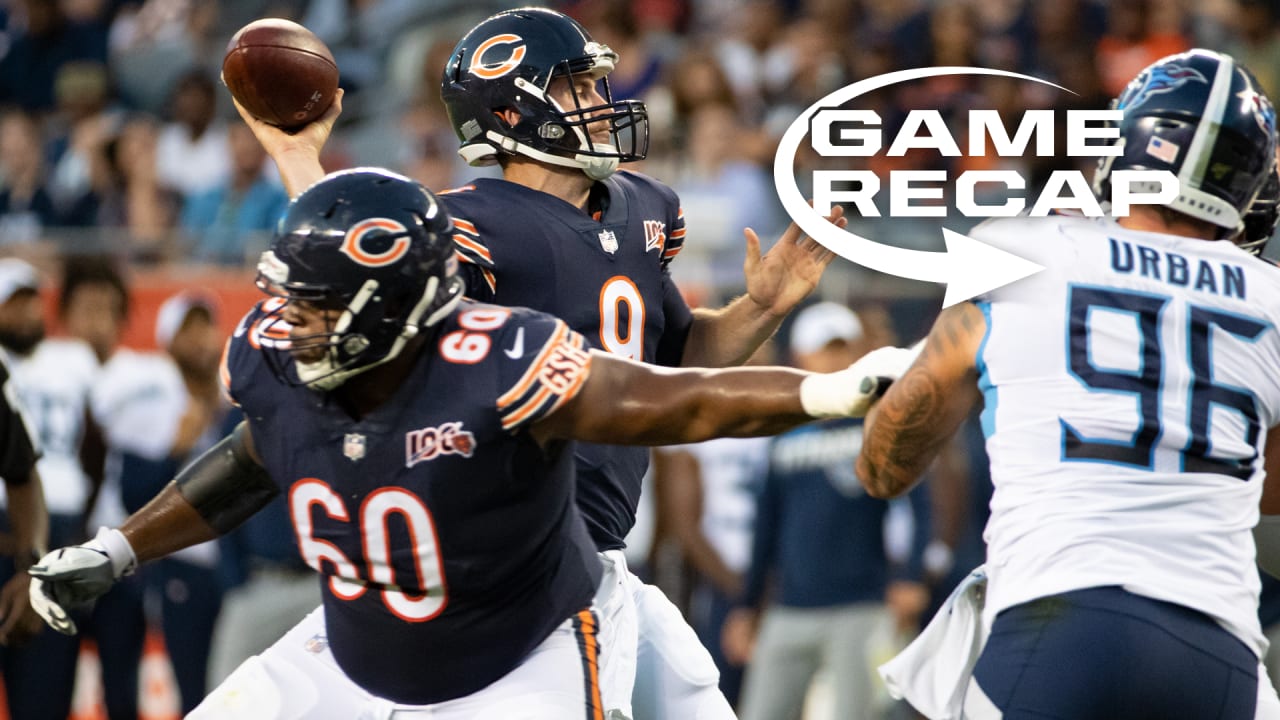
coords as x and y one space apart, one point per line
1264 111
1160 79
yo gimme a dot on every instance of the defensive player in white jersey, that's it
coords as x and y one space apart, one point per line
1130 392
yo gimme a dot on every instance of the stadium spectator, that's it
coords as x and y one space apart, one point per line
229 224
820 589
48 40
1131 43
26 207
1257 42
125 197
192 148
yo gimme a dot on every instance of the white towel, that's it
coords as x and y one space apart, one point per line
933 672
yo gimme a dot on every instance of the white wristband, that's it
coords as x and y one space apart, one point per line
831 395
113 544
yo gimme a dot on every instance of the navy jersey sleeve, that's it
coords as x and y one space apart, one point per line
18 451
476 259
543 365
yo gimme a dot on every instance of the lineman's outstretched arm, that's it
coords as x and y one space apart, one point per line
923 408
628 403
211 496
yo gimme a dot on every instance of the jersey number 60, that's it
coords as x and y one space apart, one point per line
346 581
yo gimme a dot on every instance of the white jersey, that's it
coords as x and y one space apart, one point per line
139 402
53 385
733 471
1129 388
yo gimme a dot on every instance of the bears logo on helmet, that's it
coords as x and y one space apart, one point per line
355 248
491 71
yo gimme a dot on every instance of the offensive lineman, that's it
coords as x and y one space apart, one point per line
422 443
1127 437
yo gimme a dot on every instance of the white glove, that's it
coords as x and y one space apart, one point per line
851 392
72 577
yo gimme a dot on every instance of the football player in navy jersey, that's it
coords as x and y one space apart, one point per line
565 232
421 441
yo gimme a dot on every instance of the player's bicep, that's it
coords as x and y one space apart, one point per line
925 406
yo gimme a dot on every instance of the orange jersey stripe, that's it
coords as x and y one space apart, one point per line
513 418
473 246
490 279
465 226
590 643
526 381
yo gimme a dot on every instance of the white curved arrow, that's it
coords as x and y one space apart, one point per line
968 267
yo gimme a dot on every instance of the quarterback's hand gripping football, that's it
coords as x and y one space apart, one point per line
73 577
851 392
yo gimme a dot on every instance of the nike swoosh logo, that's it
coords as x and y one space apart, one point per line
517 350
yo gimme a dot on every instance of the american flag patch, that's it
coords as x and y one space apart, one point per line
1163 150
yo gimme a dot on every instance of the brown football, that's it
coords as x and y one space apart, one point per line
280 72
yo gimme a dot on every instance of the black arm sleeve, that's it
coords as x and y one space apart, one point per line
17 450
225 485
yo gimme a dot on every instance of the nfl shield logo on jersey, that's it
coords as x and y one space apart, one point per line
353 446
609 241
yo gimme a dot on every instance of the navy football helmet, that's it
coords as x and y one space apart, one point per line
1203 117
508 62
375 245
1263 216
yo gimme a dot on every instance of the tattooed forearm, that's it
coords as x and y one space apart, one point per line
907 427
899 449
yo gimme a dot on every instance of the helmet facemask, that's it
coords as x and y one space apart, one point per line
368 330
566 131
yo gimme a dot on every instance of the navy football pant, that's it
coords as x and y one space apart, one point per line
1104 653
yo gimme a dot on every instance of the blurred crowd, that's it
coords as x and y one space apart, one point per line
120 153
116 134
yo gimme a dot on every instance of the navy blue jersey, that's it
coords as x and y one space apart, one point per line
447 537
605 273
812 502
